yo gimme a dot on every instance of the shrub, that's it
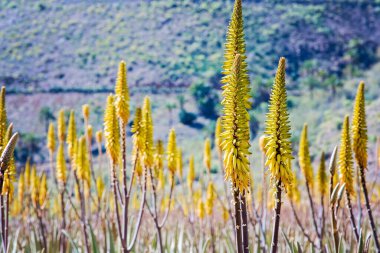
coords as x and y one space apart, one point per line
206 99
187 118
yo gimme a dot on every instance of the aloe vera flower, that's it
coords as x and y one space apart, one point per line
279 150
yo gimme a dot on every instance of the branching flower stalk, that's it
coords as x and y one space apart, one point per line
279 151
112 133
360 139
347 171
122 101
171 156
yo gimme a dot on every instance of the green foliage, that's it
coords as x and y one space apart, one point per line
187 118
206 99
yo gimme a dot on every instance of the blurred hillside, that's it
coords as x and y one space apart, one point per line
76 45
57 54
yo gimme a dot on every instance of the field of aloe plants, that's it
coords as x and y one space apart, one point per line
143 194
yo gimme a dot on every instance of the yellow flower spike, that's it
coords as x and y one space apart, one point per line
171 152
201 209
191 173
139 168
345 158
86 112
159 157
7 185
359 128
61 165
322 176
21 188
207 155
235 123
3 117
210 194
99 137
34 180
293 192
161 180
71 135
279 150
209 207
89 132
122 94
61 125
210 198
42 196
304 158
148 125
50 142
27 173
111 131
226 215
180 163
82 161
235 44
73 159
15 208
218 132
197 195
138 130
100 187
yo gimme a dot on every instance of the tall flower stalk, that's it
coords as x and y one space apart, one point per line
322 189
172 161
114 119
51 146
82 176
347 170
235 121
235 145
61 179
307 170
122 111
359 144
279 150
7 168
